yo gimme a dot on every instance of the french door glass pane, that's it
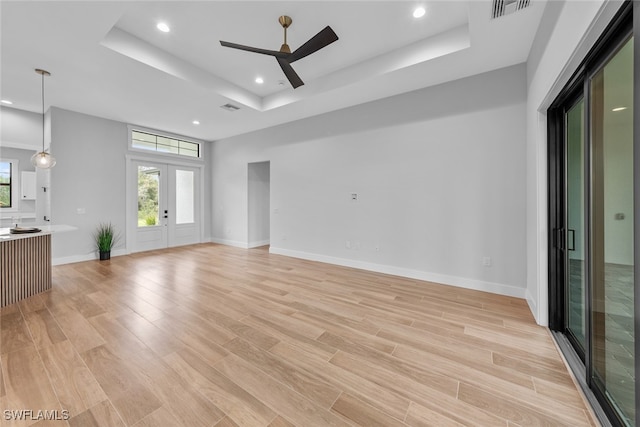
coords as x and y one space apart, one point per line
185 197
575 316
612 231
148 196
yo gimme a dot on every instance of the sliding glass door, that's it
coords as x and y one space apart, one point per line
612 218
575 231
592 220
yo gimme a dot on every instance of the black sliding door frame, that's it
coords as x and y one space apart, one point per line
636 192
558 238
626 24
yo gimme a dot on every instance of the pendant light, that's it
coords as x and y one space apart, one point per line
42 159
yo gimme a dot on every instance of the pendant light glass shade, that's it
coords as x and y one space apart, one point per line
42 159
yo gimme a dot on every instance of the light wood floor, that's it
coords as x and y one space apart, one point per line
210 335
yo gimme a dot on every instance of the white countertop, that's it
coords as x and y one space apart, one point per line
6 235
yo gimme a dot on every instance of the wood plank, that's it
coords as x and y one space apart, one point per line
76 327
226 422
428 395
177 395
257 339
280 422
102 414
419 416
238 404
43 328
493 384
27 384
310 386
515 411
422 375
14 333
161 342
74 384
129 396
3 390
281 398
369 392
32 303
160 417
360 413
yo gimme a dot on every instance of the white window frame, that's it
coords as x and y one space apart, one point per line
15 187
132 128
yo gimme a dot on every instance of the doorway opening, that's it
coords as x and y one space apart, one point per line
259 196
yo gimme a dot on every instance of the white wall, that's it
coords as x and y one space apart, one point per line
89 175
20 129
439 173
567 32
259 185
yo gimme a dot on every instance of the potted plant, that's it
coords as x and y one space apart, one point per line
105 238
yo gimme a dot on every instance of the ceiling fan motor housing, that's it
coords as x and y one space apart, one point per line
285 21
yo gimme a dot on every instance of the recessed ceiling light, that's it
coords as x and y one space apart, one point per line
259 80
163 27
419 12
619 108
195 122
6 101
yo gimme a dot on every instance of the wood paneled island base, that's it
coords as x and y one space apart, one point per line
25 267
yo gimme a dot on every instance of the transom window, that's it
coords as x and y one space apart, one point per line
163 144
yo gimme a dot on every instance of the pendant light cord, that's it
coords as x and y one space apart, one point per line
43 112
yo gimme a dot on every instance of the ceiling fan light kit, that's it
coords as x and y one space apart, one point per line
284 56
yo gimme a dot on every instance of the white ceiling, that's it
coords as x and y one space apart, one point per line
108 59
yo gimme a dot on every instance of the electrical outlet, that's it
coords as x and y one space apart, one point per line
348 244
486 261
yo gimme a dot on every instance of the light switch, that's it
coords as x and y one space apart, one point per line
81 211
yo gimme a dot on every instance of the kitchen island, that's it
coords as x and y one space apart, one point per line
25 263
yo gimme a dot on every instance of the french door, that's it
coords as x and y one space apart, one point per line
166 211
593 221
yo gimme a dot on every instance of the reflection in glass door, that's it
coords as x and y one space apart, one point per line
613 366
574 231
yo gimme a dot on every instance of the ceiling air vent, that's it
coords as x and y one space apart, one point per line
505 7
229 107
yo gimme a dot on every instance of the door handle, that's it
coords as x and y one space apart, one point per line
559 237
572 246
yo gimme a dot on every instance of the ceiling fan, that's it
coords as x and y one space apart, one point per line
284 56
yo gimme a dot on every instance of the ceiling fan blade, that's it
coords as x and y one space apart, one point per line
294 79
275 53
314 44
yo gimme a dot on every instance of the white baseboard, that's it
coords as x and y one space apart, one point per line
259 243
233 243
533 306
461 282
87 257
